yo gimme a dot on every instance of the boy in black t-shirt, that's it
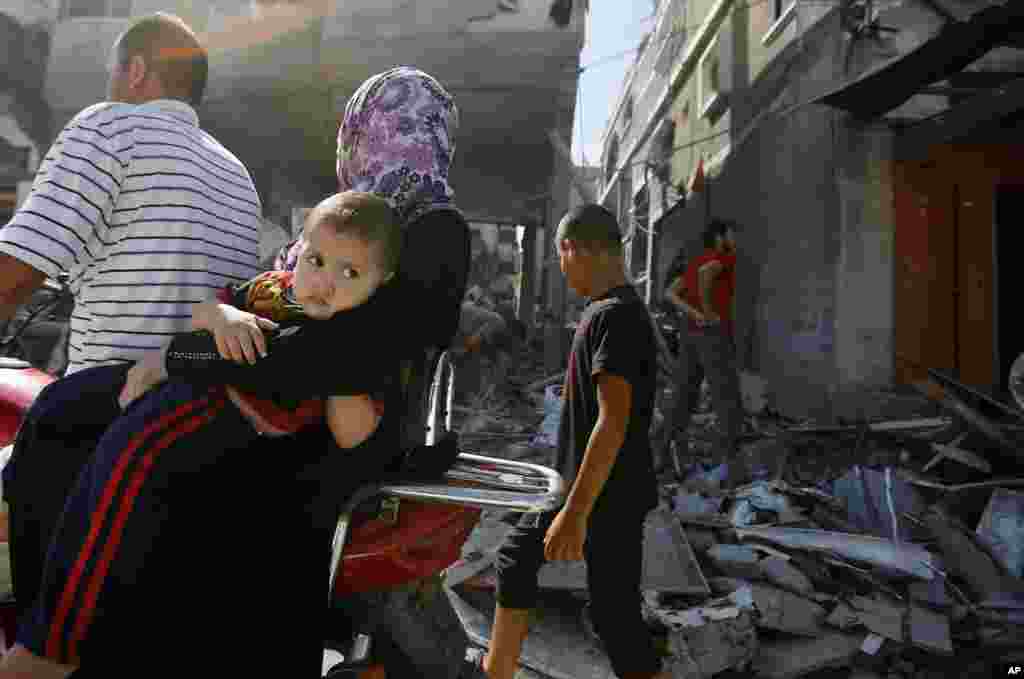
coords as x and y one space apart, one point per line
604 455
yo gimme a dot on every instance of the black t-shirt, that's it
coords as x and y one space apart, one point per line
356 351
615 337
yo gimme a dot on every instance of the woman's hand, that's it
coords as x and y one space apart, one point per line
239 334
143 376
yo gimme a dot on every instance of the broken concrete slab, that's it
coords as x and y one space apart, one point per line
1002 529
932 593
685 502
903 557
877 502
700 539
713 647
765 496
786 612
724 586
879 615
739 561
707 640
930 630
794 658
785 575
963 558
1009 606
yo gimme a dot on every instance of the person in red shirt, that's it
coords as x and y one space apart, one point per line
705 293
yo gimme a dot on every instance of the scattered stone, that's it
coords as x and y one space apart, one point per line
963 558
701 539
738 561
713 647
930 631
726 586
1002 529
782 573
879 615
786 612
932 593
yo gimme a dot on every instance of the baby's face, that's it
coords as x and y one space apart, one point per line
334 272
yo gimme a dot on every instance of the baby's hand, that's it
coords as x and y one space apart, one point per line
239 334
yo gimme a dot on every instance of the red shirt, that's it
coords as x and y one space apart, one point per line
722 290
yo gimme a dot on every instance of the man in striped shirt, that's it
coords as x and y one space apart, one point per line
147 212
149 215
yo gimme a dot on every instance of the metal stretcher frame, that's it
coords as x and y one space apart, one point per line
474 481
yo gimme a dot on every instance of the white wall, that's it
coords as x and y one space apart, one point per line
31 11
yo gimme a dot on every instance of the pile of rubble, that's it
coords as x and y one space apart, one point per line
888 550
883 550
873 576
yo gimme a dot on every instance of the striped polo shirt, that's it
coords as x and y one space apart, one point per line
148 214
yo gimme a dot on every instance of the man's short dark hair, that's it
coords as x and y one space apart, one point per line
716 228
592 225
172 51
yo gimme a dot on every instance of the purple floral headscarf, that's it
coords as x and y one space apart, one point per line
396 140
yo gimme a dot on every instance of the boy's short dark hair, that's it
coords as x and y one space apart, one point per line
171 50
592 225
717 227
364 216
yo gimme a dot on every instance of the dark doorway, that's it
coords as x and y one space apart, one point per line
1009 242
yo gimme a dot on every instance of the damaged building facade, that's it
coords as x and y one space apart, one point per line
866 152
281 73
25 125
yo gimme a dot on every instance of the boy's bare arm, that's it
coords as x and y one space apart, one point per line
351 419
707 275
615 398
680 302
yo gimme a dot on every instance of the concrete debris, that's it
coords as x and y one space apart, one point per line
782 573
952 452
738 561
932 593
1002 529
794 658
701 539
834 556
879 615
964 559
699 651
762 502
877 502
906 558
786 612
872 644
930 630
687 503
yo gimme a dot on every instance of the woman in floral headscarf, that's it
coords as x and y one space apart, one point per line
396 140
